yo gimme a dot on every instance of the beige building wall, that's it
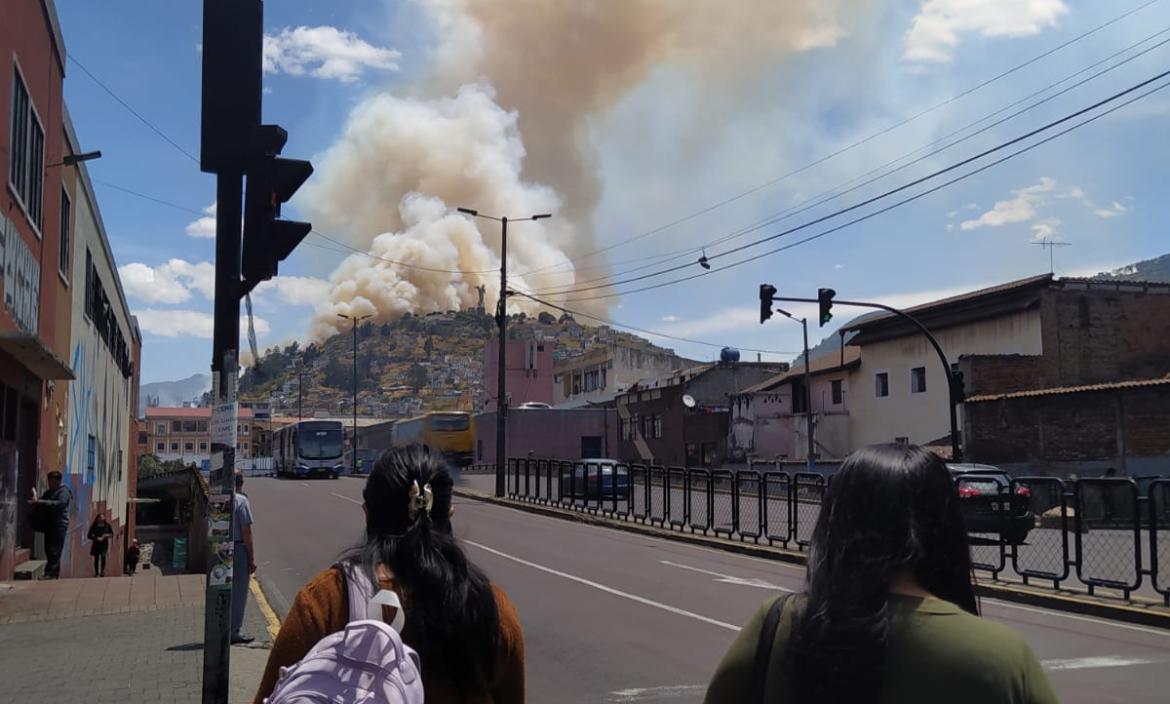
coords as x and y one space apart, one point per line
924 417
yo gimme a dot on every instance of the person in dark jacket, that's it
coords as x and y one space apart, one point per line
53 515
100 534
133 552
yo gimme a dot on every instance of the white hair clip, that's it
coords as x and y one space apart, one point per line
422 499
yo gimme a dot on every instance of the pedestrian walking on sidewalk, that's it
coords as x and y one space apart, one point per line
100 533
463 627
133 552
51 517
889 613
244 563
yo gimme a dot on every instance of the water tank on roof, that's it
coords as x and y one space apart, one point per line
729 354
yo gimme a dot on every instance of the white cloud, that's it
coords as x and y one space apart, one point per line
1022 208
294 290
324 52
189 323
670 318
934 31
1046 230
838 267
204 227
1115 208
171 282
728 319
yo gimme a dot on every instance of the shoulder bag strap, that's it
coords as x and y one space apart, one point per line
764 648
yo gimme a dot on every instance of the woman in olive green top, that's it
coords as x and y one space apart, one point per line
890 614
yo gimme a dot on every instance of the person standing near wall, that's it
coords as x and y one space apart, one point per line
100 533
51 517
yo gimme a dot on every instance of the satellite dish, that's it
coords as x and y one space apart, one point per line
689 401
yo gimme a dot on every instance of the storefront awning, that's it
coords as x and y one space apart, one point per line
32 353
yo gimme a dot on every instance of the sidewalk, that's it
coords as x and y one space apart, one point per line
116 639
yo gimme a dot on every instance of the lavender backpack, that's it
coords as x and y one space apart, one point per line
365 663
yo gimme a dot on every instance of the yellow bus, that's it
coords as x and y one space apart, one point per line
450 432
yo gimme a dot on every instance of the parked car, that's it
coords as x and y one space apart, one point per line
989 505
594 479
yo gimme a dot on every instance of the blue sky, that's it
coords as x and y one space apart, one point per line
687 125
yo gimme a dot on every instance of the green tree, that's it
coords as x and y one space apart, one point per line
418 377
546 318
337 374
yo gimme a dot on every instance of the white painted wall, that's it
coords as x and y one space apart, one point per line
923 417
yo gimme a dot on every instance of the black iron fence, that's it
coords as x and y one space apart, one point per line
1103 533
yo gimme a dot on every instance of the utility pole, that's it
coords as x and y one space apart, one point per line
233 144
355 319
300 388
811 462
502 325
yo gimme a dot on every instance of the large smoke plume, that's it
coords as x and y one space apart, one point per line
501 124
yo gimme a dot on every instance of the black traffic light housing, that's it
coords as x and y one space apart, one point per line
268 240
825 300
960 391
766 293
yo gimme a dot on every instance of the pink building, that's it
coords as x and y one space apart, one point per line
528 377
568 434
769 421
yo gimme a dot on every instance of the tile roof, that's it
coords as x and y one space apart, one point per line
820 365
1061 390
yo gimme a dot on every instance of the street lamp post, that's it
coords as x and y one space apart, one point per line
355 319
812 445
502 324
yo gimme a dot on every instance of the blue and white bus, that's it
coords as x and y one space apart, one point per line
309 448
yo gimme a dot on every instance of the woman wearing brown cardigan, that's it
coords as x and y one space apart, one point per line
464 628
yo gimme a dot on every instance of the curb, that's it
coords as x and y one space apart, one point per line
270 619
1140 613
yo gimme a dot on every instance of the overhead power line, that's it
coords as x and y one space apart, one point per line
870 137
132 111
644 331
852 185
883 195
888 208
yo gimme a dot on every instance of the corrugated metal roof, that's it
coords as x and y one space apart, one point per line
820 365
970 296
1060 390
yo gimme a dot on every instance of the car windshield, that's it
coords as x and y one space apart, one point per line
447 423
319 441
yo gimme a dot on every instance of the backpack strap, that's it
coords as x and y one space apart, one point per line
764 647
365 602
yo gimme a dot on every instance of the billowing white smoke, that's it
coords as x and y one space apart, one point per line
509 75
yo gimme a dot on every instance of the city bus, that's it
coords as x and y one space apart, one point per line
309 448
450 432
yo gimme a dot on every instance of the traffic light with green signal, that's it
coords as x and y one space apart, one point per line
825 299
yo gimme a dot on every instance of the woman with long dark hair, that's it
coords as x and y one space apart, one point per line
889 614
464 629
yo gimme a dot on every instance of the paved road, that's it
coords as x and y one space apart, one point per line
611 616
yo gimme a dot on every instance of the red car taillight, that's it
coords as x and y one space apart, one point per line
966 492
1023 491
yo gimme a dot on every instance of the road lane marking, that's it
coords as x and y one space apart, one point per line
728 579
346 498
1075 617
644 694
607 589
1095 662
305 484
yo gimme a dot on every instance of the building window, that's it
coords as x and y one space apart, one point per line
657 426
203 447
91 460
202 425
881 384
26 160
188 426
634 428
188 447
245 428
918 380
66 221
174 447
160 447
837 391
160 429
177 426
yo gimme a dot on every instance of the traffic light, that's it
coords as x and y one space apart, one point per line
960 384
766 293
825 299
268 240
